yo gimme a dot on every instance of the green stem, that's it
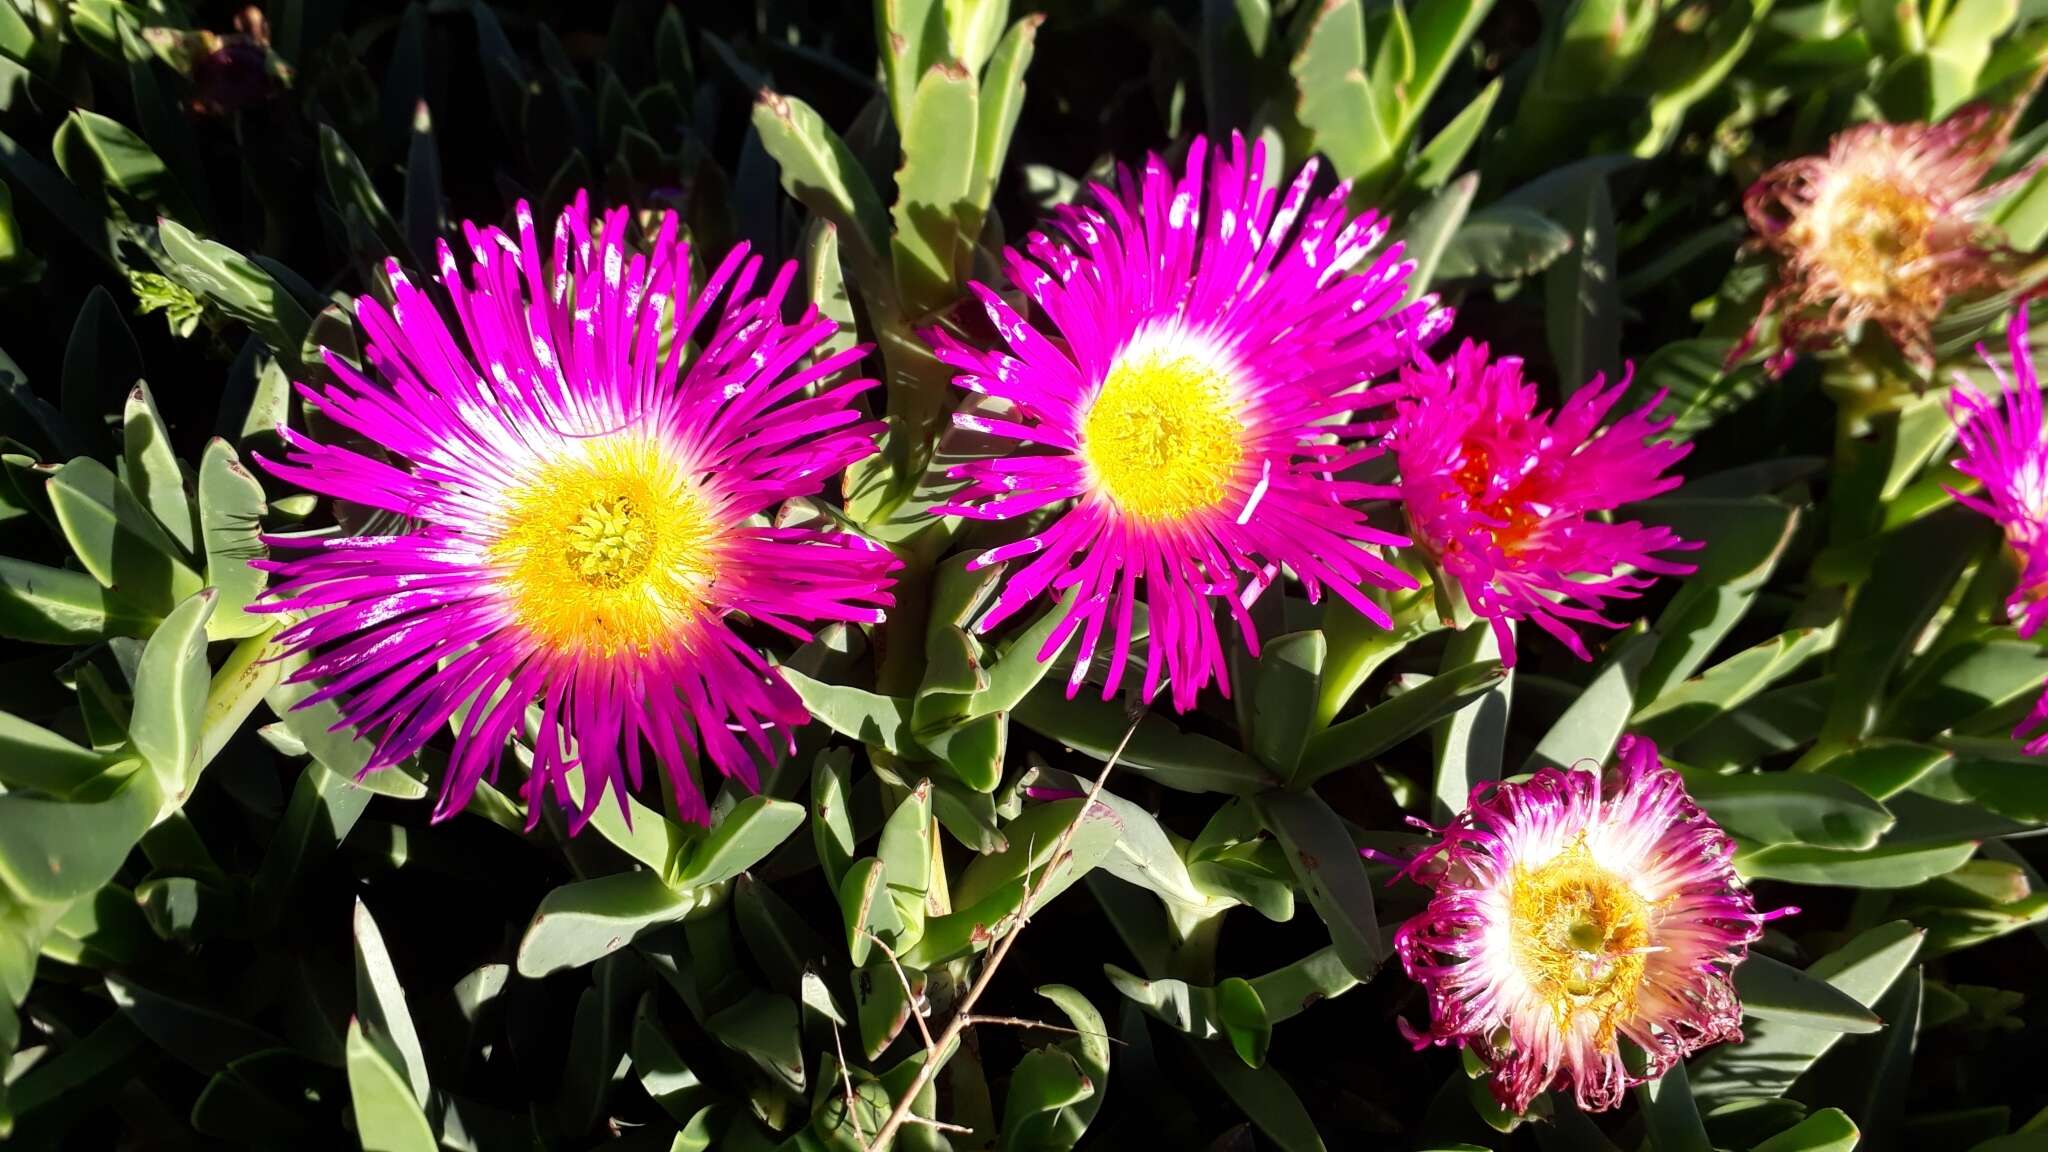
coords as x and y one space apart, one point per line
1357 648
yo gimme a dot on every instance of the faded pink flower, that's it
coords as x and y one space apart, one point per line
1572 910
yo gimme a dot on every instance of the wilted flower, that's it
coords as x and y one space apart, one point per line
1885 228
1501 497
1571 912
230 71
1206 347
584 468
2006 449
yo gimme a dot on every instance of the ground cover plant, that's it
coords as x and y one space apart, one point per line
984 574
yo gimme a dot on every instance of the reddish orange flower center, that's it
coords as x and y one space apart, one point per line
1514 520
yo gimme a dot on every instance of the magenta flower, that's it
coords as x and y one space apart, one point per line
2006 450
586 514
1190 401
1569 913
1500 496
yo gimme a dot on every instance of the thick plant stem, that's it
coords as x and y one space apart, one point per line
963 1013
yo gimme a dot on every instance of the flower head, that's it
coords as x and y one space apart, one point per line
2005 448
229 71
1885 228
1189 397
1571 911
1500 496
585 495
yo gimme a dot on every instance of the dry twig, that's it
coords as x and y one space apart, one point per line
964 1016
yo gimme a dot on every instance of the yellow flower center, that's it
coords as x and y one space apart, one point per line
1581 935
1163 436
1867 231
607 552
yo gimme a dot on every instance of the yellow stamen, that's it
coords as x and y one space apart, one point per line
1581 935
608 551
1869 232
1163 436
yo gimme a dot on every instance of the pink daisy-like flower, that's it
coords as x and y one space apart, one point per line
1887 227
2006 450
1571 912
586 471
1500 496
1190 395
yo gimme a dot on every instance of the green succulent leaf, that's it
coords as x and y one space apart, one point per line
578 923
388 1118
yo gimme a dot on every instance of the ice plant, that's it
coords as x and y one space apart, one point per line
1501 497
1187 396
1886 227
583 471
2006 450
1571 912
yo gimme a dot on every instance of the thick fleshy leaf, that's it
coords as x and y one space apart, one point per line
1360 738
1582 300
54 851
1002 100
1289 991
1336 102
40 760
117 540
1788 808
991 892
203 1038
1670 1115
1045 1082
1157 750
865 716
388 1119
822 173
1683 709
831 813
1772 990
100 361
44 605
381 1008
324 807
1913 574
905 850
231 511
1592 726
170 696
1284 691
868 910
936 220
1430 232
764 1027
1774 1053
1469 745
1328 867
1744 541
1504 242
241 287
1885 866
1263 1095
742 838
577 923
1884 768
1828 1130
152 472
1242 1016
